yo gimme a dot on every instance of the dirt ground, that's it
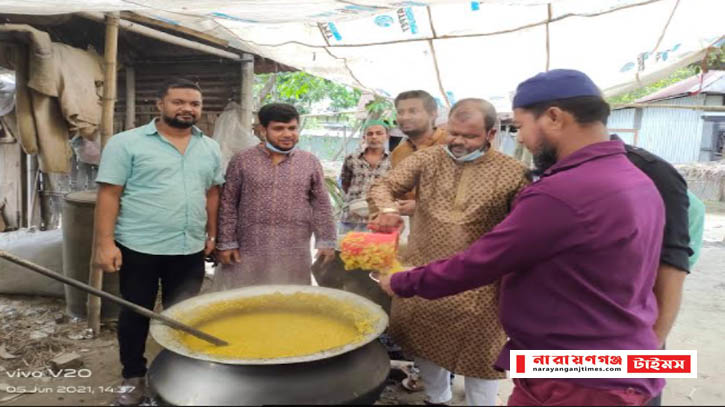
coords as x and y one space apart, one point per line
32 333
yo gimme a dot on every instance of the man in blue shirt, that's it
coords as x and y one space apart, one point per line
156 216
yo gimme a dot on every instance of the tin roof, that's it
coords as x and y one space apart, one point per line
712 82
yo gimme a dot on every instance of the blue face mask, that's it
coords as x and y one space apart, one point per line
277 150
466 158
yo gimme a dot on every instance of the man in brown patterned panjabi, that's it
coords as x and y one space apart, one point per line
273 200
463 189
416 111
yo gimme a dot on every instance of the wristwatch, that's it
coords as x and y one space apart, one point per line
211 238
389 210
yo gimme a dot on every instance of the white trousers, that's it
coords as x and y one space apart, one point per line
437 382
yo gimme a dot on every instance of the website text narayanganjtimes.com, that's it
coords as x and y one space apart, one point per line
577 369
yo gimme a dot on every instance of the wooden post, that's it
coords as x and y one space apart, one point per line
33 194
24 188
109 79
130 98
246 95
109 101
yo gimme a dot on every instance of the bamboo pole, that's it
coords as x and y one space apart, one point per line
31 176
162 36
130 98
109 80
246 95
109 100
138 18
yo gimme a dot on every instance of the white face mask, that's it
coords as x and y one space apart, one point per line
277 150
466 158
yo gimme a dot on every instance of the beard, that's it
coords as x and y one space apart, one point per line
179 123
416 132
544 158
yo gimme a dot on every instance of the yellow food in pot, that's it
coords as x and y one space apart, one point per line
278 325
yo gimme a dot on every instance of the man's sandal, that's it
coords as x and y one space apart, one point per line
412 384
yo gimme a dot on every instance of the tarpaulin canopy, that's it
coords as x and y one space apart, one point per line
453 49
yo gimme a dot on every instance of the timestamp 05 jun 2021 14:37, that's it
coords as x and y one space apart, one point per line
67 389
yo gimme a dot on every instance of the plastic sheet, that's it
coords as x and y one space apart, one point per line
86 151
230 134
7 93
452 49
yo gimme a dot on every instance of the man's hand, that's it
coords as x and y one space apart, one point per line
385 284
108 257
229 256
406 207
327 255
668 292
209 246
386 223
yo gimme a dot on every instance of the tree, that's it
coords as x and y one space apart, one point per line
381 109
303 90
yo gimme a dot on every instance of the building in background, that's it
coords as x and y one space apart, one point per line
682 123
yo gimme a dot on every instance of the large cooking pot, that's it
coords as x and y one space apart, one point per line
333 275
351 374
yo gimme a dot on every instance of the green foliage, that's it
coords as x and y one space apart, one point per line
715 61
336 194
678 75
381 109
303 90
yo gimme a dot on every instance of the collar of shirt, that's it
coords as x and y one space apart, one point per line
361 155
588 153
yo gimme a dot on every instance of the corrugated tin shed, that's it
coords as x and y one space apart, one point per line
712 82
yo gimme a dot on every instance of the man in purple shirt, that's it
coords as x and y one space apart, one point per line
577 256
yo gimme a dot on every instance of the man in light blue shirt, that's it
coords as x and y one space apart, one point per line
156 216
